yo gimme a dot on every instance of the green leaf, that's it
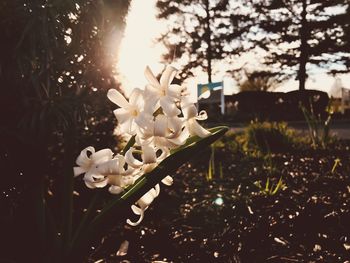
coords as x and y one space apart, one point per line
130 143
194 139
278 186
168 165
267 185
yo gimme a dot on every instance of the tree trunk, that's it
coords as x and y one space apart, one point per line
303 48
208 40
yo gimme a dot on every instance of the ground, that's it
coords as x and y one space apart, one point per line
229 219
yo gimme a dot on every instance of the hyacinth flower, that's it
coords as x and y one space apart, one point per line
158 126
142 204
191 116
162 92
149 160
85 162
130 112
111 173
165 133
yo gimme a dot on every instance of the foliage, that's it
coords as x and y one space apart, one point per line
57 61
319 130
273 106
267 137
337 162
270 189
202 32
300 32
214 166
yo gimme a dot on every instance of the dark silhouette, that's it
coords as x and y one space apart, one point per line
258 81
56 64
302 32
203 32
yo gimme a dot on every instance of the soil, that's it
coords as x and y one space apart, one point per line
229 219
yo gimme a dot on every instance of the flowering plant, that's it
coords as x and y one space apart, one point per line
163 125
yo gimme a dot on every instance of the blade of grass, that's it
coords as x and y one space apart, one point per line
221 171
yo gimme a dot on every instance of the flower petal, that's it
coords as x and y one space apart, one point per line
113 189
127 127
152 101
164 153
101 183
122 115
83 160
174 91
138 221
202 115
115 180
136 98
181 138
145 121
168 180
117 98
160 125
136 210
148 155
167 77
89 184
156 191
102 156
175 125
196 129
78 171
151 78
146 199
133 162
169 106
189 110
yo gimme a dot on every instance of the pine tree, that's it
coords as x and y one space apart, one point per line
202 32
300 32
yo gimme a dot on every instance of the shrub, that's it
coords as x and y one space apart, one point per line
266 137
274 106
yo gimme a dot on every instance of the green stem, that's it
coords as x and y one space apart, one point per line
68 184
87 216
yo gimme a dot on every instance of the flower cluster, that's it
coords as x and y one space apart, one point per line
161 117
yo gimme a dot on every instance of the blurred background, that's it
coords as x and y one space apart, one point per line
243 60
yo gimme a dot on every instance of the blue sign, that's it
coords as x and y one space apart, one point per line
209 86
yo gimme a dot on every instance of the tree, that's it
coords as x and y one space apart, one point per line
300 32
339 41
202 32
55 65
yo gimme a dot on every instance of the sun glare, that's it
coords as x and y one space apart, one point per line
138 48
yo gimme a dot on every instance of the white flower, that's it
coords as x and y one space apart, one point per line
163 131
143 203
191 116
149 160
85 162
162 92
110 172
130 114
154 117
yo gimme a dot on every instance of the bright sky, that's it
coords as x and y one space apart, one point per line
138 49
